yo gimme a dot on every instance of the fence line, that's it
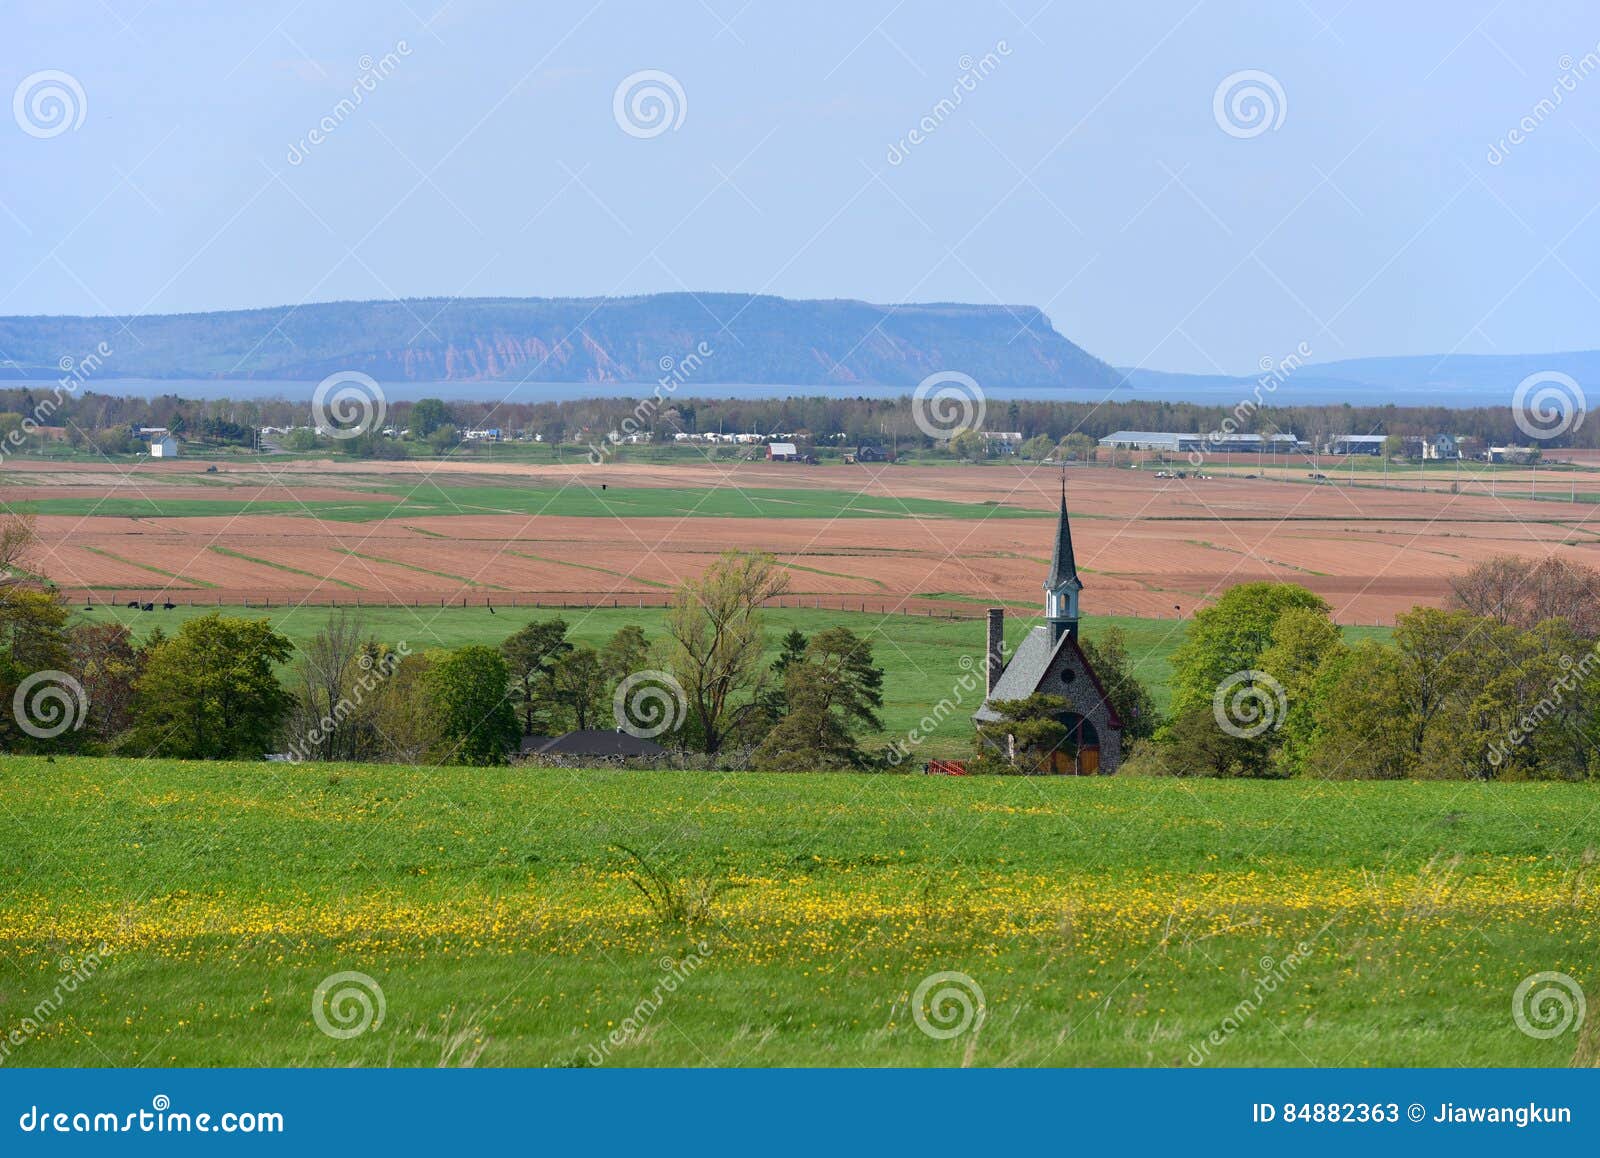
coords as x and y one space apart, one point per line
913 606
157 600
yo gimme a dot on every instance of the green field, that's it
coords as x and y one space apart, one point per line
1106 921
925 660
428 498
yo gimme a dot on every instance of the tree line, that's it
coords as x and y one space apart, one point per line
1502 684
104 420
227 687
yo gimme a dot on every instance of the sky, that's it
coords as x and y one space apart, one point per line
1398 188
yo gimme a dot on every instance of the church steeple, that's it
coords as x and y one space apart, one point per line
1062 587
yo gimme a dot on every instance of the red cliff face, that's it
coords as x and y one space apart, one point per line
583 357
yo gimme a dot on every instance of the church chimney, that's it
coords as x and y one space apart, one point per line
996 662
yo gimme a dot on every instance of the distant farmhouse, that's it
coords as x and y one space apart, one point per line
867 452
1050 662
782 451
1002 441
164 446
1442 447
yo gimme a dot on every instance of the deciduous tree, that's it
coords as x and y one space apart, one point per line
1523 592
210 692
715 627
1302 640
1229 636
470 688
1107 652
575 689
107 663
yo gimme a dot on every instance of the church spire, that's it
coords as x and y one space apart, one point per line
1062 587
1063 566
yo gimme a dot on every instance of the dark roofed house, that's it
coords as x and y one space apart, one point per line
1050 662
592 744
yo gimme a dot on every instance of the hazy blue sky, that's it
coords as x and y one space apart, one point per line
1086 172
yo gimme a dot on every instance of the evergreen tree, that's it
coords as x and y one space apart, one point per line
832 692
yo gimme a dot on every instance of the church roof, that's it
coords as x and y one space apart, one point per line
1063 565
1030 663
1022 675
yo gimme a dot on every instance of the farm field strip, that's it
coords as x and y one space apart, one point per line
1147 546
230 552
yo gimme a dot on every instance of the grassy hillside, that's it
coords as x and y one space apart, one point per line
1104 921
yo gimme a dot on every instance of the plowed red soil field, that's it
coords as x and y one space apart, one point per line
1145 546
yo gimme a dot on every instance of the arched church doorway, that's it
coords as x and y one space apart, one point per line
1078 754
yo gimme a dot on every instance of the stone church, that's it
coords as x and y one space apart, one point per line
1050 662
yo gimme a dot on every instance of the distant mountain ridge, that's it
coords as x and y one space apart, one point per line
1448 380
754 339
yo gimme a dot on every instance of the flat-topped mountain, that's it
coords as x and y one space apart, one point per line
753 339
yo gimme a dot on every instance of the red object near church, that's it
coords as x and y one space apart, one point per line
944 768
